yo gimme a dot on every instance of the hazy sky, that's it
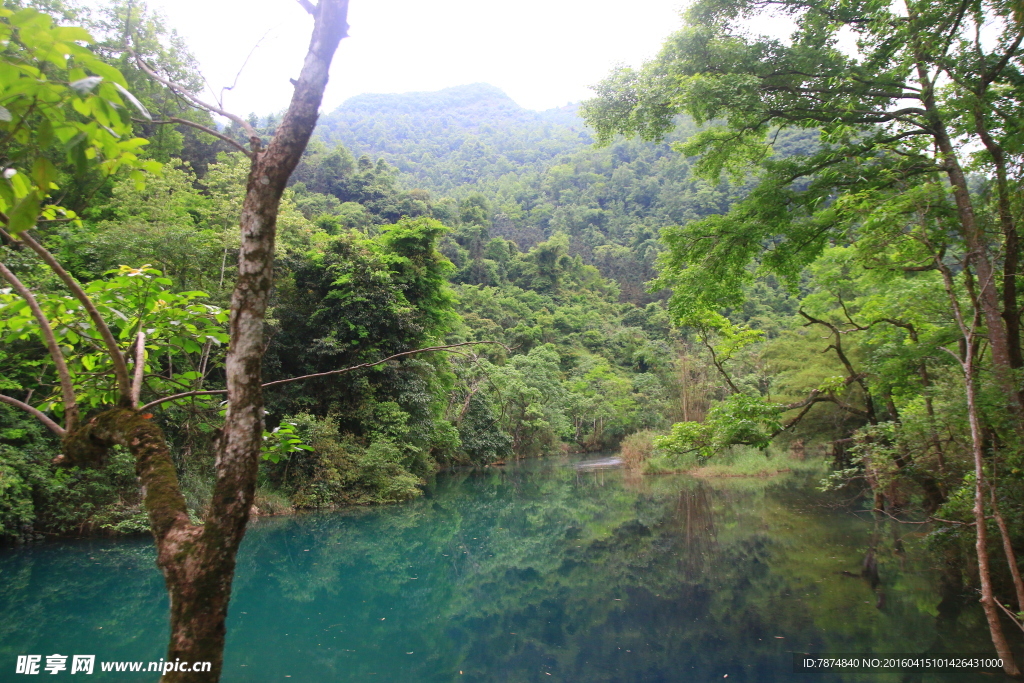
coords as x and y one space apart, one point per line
543 53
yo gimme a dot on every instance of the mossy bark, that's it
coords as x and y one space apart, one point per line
198 566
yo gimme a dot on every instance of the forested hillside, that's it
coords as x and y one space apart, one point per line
526 176
455 137
370 265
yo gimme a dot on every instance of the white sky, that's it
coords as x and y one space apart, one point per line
542 53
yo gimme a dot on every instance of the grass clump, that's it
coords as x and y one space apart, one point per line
637 448
734 461
271 502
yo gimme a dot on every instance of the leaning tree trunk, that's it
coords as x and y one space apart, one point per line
198 561
967 364
199 570
988 599
1000 333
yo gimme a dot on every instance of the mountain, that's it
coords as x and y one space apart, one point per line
526 176
454 137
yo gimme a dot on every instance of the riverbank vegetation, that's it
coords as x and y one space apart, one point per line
898 229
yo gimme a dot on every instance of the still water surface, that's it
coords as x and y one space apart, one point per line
552 570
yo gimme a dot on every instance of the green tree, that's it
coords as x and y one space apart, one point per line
885 118
84 116
897 118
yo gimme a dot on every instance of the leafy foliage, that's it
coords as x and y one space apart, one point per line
45 70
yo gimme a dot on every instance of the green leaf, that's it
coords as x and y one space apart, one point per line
24 214
44 133
43 173
76 152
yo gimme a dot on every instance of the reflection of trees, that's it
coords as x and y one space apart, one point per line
694 521
506 574
84 596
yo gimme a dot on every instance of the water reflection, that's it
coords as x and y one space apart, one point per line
536 572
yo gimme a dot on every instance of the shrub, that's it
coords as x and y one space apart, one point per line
637 448
339 470
37 497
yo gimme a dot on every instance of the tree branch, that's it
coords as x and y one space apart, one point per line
214 392
898 323
38 414
140 367
120 367
66 385
181 91
1003 61
198 126
717 363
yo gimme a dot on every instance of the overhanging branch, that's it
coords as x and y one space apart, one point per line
214 392
120 367
206 129
66 385
181 91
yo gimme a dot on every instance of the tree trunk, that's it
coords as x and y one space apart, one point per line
978 252
1011 555
988 600
178 541
1011 257
980 258
198 561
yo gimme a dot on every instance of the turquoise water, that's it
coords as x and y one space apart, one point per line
542 571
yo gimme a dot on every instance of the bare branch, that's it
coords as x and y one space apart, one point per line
66 386
220 100
909 327
140 367
308 6
384 360
930 519
209 131
38 414
792 423
847 312
717 363
1013 617
837 346
187 394
181 91
214 392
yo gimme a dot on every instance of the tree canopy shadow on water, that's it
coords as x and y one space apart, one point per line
510 575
